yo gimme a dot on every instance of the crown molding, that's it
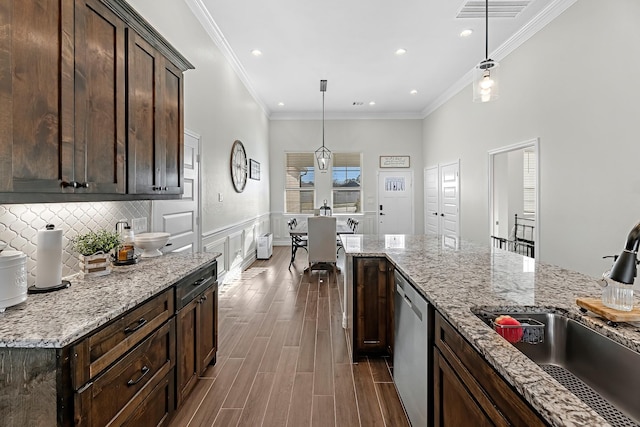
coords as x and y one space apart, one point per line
206 20
348 116
548 14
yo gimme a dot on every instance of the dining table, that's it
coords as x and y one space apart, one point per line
301 230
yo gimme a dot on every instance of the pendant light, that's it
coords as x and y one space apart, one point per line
485 74
323 154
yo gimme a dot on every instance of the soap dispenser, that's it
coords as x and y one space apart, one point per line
617 291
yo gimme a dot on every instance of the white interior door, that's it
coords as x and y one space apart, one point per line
449 210
395 202
431 200
180 217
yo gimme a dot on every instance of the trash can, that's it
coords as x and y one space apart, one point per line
265 246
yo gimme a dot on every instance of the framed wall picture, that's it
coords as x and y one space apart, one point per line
254 170
394 161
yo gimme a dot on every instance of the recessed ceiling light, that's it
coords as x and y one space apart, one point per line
414 92
372 102
256 52
401 51
466 33
280 104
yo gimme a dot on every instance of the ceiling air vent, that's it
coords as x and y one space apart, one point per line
497 8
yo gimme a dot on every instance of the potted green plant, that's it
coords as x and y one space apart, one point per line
94 248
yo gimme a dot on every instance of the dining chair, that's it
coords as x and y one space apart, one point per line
322 240
297 242
338 240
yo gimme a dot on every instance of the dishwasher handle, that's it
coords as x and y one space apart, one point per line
407 300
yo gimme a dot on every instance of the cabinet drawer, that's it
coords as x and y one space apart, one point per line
96 352
489 390
157 408
121 391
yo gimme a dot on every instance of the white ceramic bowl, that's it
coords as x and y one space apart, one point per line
150 243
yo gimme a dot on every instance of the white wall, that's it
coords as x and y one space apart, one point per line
219 108
574 85
371 137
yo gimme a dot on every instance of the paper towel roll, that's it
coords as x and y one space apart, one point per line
49 258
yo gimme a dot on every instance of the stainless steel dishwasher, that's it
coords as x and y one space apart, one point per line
410 351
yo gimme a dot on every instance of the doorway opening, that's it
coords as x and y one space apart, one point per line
514 214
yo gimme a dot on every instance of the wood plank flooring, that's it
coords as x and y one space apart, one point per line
283 358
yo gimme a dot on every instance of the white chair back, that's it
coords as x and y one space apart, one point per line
322 239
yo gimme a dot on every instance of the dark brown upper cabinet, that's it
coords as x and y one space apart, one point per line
100 138
155 151
36 94
65 134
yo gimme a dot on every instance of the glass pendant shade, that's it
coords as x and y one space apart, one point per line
323 157
323 154
486 86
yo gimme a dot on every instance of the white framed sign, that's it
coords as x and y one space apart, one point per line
394 161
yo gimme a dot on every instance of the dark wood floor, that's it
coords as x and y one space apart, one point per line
283 357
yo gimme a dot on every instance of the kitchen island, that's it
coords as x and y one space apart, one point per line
55 346
456 276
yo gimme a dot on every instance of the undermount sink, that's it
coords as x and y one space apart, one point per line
599 371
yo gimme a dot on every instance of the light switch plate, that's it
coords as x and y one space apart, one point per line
139 225
219 197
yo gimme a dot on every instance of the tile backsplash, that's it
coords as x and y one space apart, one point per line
19 225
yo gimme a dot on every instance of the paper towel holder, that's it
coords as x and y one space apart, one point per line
34 290
63 285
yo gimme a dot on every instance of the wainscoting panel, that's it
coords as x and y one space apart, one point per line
250 239
220 246
237 243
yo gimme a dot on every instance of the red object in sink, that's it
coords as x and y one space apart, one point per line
509 328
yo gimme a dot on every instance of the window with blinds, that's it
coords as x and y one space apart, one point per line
529 188
347 189
299 183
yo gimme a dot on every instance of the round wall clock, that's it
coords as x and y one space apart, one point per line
238 166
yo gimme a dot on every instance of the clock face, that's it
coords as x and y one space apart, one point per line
238 166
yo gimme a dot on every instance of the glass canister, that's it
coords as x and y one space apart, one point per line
126 251
616 295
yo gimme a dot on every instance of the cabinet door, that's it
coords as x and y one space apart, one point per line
99 164
453 404
155 100
186 367
36 95
170 142
372 307
143 156
208 328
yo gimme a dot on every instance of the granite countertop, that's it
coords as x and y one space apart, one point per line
56 319
456 276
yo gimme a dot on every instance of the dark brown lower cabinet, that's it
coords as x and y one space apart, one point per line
124 390
372 306
197 340
468 391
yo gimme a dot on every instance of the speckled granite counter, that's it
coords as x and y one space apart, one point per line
455 280
56 319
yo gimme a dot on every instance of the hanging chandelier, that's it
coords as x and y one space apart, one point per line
485 74
323 154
